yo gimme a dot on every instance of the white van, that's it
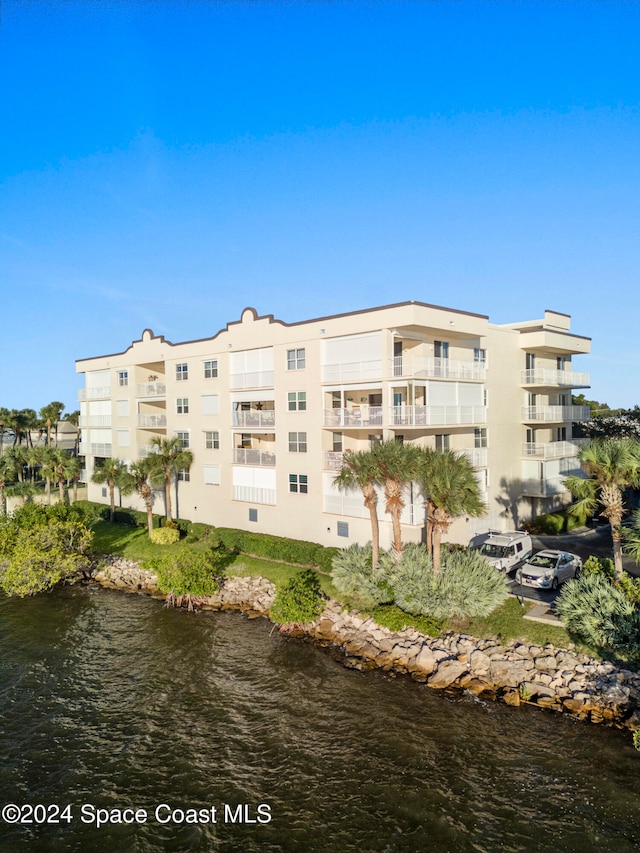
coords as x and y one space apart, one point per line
506 551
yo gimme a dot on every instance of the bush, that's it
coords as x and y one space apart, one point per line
595 566
183 525
353 577
165 535
546 525
299 601
467 584
191 575
199 531
295 551
600 613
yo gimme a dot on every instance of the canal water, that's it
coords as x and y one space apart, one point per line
209 732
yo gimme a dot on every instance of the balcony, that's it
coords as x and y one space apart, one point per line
550 378
477 456
552 449
254 418
365 416
436 368
85 394
152 421
151 389
143 450
333 460
550 414
95 421
254 495
247 456
437 415
352 505
544 488
352 371
254 379
95 449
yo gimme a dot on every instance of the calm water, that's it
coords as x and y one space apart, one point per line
111 701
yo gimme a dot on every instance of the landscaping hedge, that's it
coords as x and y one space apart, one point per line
295 551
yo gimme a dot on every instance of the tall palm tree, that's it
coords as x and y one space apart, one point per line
141 475
450 489
395 464
4 420
74 473
74 419
63 467
50 415
168 456
359 471
111 471
8 475
611 464
42 458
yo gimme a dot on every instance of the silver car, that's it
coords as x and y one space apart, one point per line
548 569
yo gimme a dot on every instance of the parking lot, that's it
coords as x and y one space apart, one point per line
596 541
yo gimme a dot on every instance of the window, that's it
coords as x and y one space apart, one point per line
561 434
375 438
183 475
123 378
479 355
343 528
298 483
530 361
298 442
183 438
297 401
212 440
480 437
122 408
296 359
253 515
182 406
211 369
211 474
182 372
442 442
337 442
210 404
441 349
123 437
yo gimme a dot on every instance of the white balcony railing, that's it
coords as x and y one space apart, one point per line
254 418
365 416
151 389
436 368
351 371
333 460
247 456
552 449
476 455
437 415
94 393
95 421
544 376
95 449
255 379
352 505
555 413
254 495
544 487
152 421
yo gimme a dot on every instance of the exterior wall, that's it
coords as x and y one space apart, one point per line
434 376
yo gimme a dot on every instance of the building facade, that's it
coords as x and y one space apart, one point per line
268 408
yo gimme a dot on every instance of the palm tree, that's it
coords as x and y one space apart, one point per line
395 465
359 471
450 488
111 471
612 464
74 473
50 415
141 474
167 458
74 419
5 415
8 474
41 457
63 467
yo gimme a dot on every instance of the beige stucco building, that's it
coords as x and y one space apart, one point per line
267 409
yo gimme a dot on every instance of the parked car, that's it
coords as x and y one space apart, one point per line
548 569
506 551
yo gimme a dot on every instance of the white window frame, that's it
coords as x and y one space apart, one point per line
182 372
299 401
184 438
212 439
211 368
296 359
297 442
123 378
299 484
182 406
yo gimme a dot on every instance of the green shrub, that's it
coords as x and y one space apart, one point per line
296 551
190 575
199 531
353 577
299 601
546 525
183 525
466 586
395 619
599 612
595 566
165 535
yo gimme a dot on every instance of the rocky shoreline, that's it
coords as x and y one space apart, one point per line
560 680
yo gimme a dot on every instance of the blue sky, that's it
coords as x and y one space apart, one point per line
165 164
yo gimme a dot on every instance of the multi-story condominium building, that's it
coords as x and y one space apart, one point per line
268 408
